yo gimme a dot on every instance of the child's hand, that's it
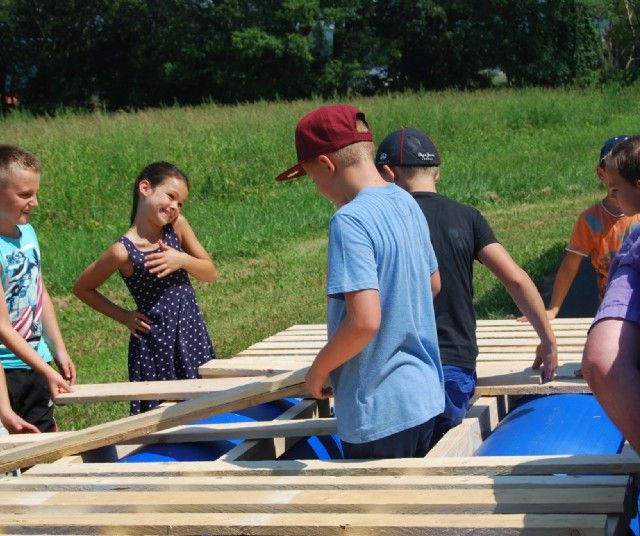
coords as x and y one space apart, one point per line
57 384
16 424
137 323
316 384
547 355
165 262
66 367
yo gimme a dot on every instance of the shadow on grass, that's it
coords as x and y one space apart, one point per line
581 301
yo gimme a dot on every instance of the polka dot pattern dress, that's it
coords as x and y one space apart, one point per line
178 342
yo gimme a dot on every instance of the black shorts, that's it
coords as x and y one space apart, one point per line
30 398
409 443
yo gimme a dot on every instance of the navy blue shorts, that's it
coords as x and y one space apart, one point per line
459 386
409 443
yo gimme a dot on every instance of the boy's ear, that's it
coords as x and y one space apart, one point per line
387 173
600 172
327 163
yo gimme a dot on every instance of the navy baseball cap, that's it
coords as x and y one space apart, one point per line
407 147
610 144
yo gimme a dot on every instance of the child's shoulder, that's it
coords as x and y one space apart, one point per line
593 210
117 251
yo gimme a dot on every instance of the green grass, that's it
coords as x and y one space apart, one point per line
525 158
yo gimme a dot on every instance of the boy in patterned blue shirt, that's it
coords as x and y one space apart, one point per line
382 350
28 324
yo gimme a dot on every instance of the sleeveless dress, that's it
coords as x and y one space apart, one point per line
178 342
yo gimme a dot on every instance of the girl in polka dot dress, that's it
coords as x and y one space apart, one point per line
169 338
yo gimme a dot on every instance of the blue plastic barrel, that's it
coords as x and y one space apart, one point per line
323 448
554 424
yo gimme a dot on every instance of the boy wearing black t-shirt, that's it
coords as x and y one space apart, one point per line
460 235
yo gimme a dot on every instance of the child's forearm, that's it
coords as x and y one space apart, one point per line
51 328
202 269
564 279
22 349
102 304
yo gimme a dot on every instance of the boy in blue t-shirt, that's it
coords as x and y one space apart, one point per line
27 321
382 350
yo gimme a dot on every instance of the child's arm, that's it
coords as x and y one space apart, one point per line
194 259
95 275
53 336
436 283
359 326
527 298
9 418
564 278
23 350
611 367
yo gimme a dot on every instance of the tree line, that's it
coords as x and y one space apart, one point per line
135 53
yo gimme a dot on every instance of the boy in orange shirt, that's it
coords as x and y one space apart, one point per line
598 233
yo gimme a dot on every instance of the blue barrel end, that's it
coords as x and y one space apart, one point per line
209 450
554 424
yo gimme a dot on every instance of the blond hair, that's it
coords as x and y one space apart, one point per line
411 172
356 152
13 158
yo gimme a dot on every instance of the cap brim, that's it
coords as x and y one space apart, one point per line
292 173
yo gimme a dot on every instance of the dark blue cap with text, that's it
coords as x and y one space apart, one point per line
610 144
407 147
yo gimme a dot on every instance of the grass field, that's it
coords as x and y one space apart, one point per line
525 158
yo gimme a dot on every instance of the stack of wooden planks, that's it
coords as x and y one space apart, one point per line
506 352
250 491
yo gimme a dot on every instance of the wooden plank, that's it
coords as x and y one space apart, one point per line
489 342
615 464
481 322
34 482
158 390
461 501
258 391
464 439
550 388
494 377
312 524
511 332
509 373
204 432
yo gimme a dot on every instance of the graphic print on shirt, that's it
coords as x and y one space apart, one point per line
23 290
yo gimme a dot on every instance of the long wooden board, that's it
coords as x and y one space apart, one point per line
314 524
615 464
256 392
32 481
202 432
462 501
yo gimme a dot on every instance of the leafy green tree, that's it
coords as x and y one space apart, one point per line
547 42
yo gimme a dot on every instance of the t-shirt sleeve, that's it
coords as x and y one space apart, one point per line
351 257
483 234
581 241
622 299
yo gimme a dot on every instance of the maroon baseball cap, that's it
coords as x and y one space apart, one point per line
324 131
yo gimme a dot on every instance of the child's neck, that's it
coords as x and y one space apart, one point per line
10 229
143 232
612 207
